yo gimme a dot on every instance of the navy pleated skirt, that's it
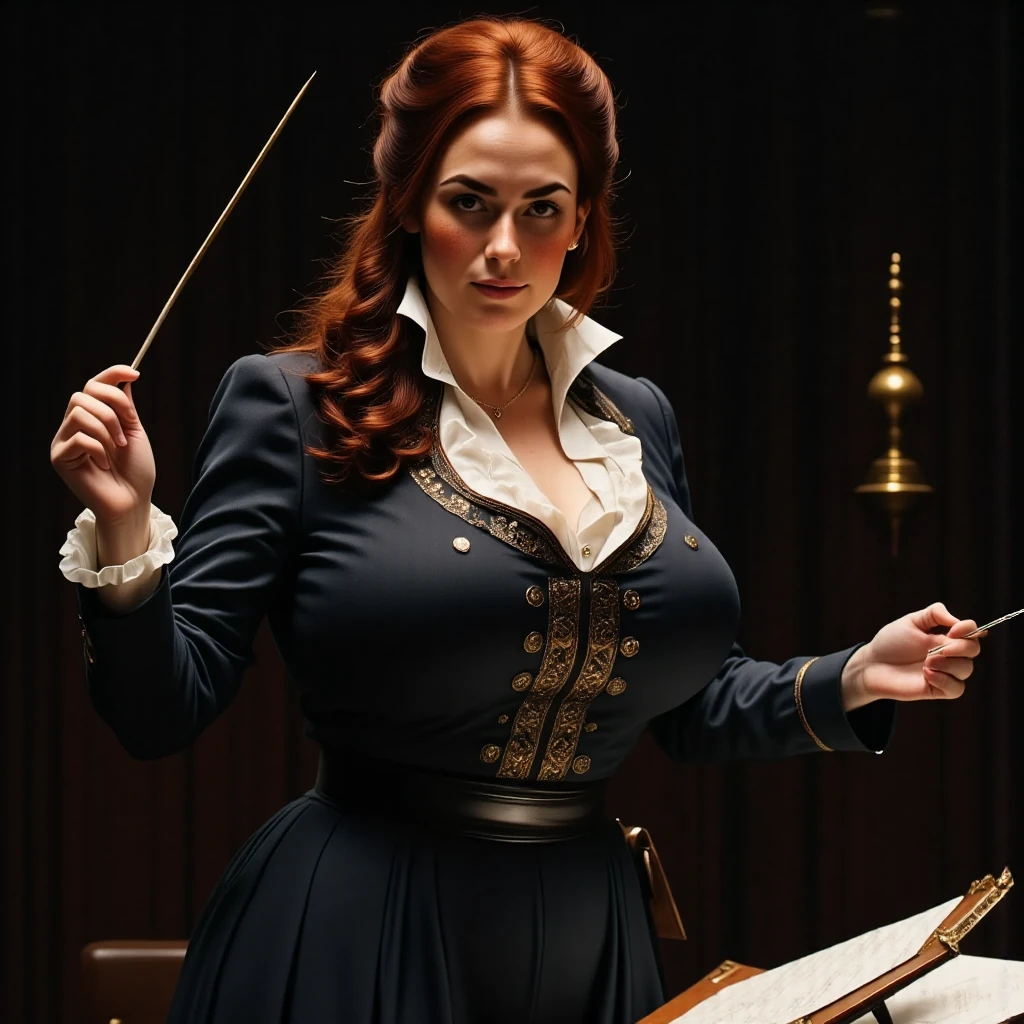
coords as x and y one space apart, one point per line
327 917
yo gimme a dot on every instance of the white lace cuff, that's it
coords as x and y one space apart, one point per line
80 558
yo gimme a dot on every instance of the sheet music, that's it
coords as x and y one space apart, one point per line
804 985
967 990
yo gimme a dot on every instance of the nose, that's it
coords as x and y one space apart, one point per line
502 244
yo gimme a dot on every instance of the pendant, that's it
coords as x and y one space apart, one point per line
497 414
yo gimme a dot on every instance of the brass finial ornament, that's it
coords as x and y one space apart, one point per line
895 480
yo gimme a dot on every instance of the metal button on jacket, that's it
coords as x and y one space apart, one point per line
533 643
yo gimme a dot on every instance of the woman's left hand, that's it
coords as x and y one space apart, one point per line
896 664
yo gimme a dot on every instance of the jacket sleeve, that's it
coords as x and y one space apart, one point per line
758 708
159 674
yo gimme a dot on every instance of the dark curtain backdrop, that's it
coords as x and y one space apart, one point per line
773 155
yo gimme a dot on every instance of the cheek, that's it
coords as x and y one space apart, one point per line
548 254
447 241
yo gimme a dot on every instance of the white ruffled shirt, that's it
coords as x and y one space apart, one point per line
608 460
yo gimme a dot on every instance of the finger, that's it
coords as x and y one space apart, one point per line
958 668
943 684
77 448
117 399
934 615
103 412
116 373
81 419
959 649
962 628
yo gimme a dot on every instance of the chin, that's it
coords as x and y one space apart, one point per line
496 319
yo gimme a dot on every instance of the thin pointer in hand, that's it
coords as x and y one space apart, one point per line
216 227
981 629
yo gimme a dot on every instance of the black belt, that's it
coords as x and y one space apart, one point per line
484 808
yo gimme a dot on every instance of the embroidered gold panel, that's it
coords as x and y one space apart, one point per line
602 643
556 664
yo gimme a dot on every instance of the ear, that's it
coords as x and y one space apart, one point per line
410 223
582 212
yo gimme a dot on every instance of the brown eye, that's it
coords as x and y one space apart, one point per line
554 208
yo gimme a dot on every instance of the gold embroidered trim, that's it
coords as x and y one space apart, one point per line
798 697
436 477
647 539
556 664
510 530
602 642
590 398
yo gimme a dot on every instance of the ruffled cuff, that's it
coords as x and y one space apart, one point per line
80 557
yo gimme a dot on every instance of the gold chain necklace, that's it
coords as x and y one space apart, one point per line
497 409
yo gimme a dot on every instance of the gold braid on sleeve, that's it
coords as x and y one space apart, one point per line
798 697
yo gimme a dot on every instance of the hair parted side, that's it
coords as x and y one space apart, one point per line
370 389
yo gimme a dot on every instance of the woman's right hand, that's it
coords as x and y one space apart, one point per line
101 451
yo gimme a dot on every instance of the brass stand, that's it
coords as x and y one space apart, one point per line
894 479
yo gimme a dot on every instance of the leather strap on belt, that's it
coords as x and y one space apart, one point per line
664 912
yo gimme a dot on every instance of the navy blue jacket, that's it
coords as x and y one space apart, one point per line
502 660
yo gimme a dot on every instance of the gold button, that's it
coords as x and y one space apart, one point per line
502 719
586 551
533 643
490 753
581 764
591 727
629 646
631 599
522 681
615 686
534 596
461 544
691 541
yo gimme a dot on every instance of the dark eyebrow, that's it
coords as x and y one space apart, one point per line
479 186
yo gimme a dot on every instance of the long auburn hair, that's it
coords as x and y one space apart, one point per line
370 389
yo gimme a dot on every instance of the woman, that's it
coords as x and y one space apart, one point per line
477 554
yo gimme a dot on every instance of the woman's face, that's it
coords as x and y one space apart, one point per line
502 204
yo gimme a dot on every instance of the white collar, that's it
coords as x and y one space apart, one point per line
566 353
